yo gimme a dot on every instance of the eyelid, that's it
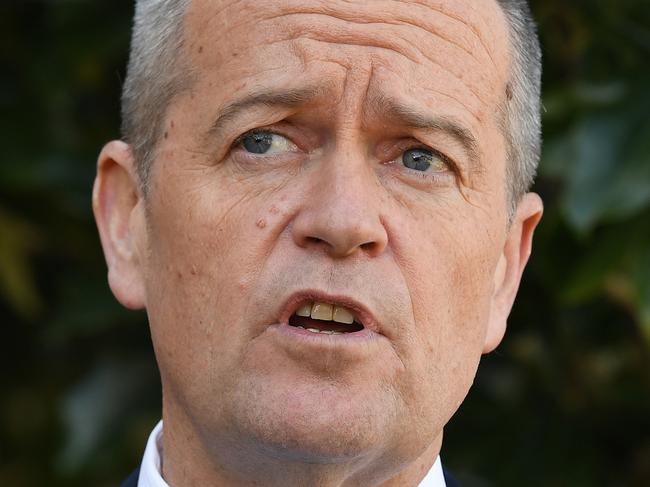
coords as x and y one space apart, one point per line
239 139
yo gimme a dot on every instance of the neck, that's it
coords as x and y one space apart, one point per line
189 459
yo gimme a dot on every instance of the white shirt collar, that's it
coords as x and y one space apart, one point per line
150 471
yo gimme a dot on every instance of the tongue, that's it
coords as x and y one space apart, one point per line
320 325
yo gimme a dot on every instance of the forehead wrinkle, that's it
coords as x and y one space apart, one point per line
469 20
405 49
462 21
359 32
396 19
367 34
268 97
460 102
337 35
437 91
302 55
349 11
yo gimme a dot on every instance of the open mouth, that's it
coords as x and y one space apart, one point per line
325 318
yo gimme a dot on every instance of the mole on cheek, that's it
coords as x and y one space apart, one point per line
261 223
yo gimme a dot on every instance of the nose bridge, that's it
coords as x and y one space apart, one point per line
342 209
350 180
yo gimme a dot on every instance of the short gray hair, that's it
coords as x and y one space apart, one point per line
522 104
156 74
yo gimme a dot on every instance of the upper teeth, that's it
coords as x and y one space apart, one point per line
326 312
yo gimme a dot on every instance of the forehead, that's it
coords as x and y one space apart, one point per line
451 54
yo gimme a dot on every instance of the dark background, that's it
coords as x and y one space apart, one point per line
565 400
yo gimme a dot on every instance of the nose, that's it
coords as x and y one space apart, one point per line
342 210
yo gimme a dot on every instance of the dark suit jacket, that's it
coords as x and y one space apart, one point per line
449 479
132 481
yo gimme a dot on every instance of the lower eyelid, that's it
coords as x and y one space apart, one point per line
442 177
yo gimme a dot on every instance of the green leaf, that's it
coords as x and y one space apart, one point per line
609 180
642 282
17 284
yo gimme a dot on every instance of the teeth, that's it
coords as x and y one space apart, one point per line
326 312
342 315
304 310
322 311
326 332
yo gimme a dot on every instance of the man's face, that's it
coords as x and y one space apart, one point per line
328 153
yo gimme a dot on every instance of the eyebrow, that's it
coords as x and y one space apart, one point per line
285 98
407 116
399 113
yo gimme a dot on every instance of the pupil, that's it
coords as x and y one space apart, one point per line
258 143
417 159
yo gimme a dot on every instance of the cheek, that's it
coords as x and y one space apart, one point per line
208 226
450 283
206 240
448 255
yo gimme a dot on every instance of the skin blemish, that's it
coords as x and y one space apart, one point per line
165 135
200 49
171 124
261 223
274 210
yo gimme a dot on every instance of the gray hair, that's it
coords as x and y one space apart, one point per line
523 124
156 74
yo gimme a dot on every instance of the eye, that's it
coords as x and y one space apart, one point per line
265 142
423 160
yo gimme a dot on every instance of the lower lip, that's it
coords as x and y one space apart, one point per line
358 337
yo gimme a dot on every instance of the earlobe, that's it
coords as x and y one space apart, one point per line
513 260
118 209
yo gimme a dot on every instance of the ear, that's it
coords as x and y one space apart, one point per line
119 212
513 259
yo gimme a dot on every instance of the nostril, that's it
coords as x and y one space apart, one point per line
340 234
314 240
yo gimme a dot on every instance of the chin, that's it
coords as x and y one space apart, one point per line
314 423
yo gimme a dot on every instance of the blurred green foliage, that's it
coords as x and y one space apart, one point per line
564 401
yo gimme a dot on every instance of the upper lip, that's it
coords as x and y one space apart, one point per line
361 313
